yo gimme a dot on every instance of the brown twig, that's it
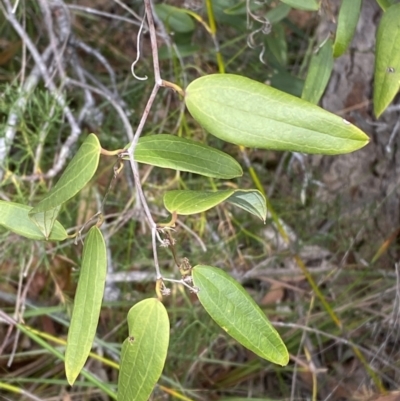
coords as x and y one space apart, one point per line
131 150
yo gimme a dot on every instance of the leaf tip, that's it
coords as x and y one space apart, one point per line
378 111
285 358
71 376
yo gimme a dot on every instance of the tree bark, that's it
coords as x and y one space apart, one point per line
366 181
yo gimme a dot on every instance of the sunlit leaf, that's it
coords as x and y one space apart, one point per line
186 202
308 5
144 351
174 18
14 217
387 59
182 154
249 113
347 23
232 308
87 304
319 72
77 174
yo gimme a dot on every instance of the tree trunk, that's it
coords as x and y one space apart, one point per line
366 181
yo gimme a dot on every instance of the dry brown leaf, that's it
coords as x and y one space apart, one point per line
274 295
8 53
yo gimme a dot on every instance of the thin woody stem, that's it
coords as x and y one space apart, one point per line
131 150
153 41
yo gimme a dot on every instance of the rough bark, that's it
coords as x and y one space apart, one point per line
366 181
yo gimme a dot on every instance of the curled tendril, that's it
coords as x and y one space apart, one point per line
138 52
264 29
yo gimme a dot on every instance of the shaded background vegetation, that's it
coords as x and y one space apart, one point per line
341 213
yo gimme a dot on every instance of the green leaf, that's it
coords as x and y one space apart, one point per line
14 217
251 200
183 50
249 113
174 18
278 13
182 154
77 174
282 80
387 59
232 308
44 344
242 7
45 220
144 351
276 42
385 4
220 8
186 202
347 23
87 304
308 5
319 73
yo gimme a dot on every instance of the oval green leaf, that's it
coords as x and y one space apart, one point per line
387 59
87 304
77 174
182 154
347 23
308 5
187 202
174 18
232 308
14 217
319 73
144 351
249 113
